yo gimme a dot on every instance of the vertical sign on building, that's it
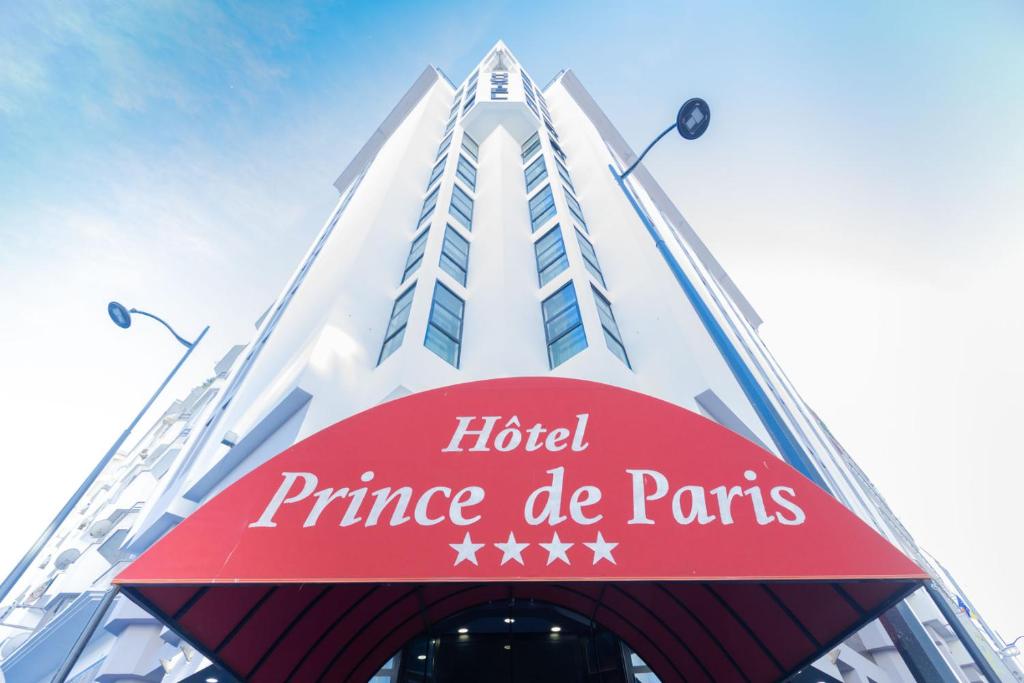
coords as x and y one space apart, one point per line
499 85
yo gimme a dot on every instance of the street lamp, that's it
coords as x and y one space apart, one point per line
691 122
1011 649
122 318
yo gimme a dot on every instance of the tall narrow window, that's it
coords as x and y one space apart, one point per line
444 146
462 207
535 173
415 254
428 206
575 209
550 252
564 172
396 326
469 144
563 325
466 172
451 124
542 207
611 330
436 173
557 148
455 255
531 146
590 258
455 103
470 99
444 330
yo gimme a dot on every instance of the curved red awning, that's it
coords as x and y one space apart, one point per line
712 558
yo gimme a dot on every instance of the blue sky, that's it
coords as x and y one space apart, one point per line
861 182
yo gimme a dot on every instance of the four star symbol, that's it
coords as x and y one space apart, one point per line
466 550
557 549
602 549
513 549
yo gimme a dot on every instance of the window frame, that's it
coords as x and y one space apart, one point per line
578 326
400 332
593 267
431 325
532 185
547 214
456 212
563 257
609 335
462 276
412 265
470 181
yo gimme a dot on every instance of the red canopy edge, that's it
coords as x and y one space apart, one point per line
686 631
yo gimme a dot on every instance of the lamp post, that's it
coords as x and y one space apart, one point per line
122 317
691 122
1011 649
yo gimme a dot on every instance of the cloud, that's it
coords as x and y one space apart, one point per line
133 56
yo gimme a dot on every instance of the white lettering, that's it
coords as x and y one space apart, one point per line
640 496
281 496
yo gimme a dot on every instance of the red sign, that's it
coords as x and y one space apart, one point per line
521 479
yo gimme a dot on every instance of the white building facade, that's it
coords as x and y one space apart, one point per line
482 232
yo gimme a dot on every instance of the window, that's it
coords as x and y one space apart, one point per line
590 258
436 173
469 144
444 146
535 173
455 255
550 252
564 172
563 326
574 208
551 129
466 172
396 326
531 146
557 148
462 207
470 99
451 124
532 106
455 104
415 254
444 329
611 330
542 207
428 206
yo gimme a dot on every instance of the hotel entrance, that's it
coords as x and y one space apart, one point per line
518 642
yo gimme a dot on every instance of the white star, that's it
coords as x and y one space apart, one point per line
602 549
467 550
557 549
511 549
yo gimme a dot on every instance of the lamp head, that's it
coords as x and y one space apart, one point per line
693 118
119 314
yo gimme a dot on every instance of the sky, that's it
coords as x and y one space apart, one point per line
861 182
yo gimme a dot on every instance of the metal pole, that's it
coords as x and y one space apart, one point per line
646 150
72 503
86 635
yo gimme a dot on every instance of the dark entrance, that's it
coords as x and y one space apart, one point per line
515 642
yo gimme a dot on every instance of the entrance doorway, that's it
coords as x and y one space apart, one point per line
515 642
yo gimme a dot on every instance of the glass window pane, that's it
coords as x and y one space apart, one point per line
436 173
443 345
444 297
535 173
617 348
469 144
466 172
454 269
531 146
567 347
